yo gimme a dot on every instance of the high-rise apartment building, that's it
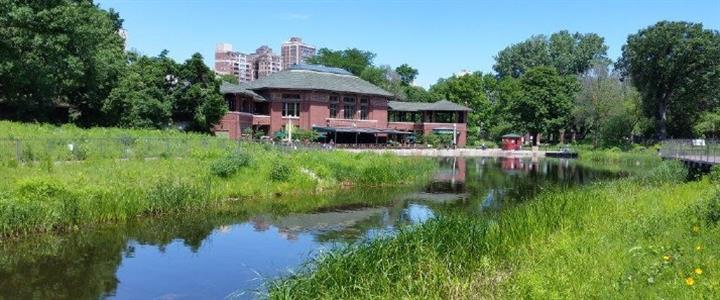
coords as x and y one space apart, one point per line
295 51
263 62
247 67
229 62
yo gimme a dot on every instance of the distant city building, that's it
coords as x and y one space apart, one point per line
229 62
263 62
124 35
247 67
294 51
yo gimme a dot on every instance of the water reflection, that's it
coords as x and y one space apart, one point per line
220 255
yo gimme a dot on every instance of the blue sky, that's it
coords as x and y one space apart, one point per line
436 37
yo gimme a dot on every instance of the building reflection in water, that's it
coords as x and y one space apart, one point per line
133 260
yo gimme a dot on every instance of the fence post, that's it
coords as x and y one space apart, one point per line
17 150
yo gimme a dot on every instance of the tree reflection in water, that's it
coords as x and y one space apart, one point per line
85 264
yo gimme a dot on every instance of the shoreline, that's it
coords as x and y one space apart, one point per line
460 152
527 251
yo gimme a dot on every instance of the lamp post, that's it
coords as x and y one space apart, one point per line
356 134
454 135
289 125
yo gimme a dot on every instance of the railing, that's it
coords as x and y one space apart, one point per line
703 151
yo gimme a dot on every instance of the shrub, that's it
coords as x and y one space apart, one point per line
712 214
78 152
28 154
488 144
11 163
715 174
47 201
666 171
280 171
439 140
230 164
169 194
248 131
305 135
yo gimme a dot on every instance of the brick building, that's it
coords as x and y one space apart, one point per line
332 101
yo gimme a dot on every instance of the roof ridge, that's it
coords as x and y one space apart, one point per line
321 72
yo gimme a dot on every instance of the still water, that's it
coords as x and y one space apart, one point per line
217 257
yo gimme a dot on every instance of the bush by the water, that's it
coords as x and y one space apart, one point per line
715 174
712 210
666 171
230 164
280 171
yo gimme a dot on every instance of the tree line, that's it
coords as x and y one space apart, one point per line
63 53
665 84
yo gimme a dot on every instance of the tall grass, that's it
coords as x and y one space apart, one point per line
49 195
25 143
617 156
605 240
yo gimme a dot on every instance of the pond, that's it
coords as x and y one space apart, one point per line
214 256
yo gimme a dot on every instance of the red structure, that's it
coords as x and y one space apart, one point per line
511 142
337 104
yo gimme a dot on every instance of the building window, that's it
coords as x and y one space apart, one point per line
291 105
364 108
291 109
349 107
333 106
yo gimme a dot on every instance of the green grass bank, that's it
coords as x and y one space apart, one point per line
54 189
649 236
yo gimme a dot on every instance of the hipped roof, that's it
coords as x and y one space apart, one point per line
442 105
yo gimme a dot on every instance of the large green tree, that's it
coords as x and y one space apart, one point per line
543 102
606 108
58 52
229 78
143 97
568 53
353 60
387 78
157 91
407 73
473 90
676 68
360 63
708 124
197 100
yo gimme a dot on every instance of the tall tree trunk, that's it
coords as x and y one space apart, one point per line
661 120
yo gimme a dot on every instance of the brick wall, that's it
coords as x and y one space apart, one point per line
314 111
